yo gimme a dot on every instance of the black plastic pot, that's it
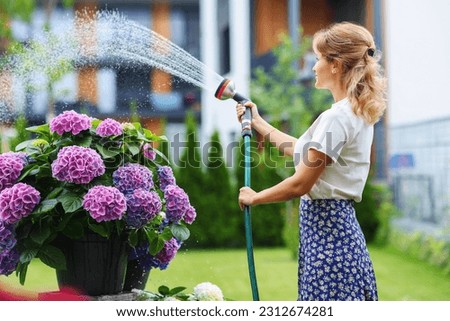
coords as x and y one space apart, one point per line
136 276
95 265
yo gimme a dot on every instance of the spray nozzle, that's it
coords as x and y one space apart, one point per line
226 90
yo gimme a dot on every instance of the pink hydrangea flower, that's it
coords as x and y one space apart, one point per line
167 254
109 127
149 153
17 202
177 203
105 203
11 165
76 164
190 215
70 122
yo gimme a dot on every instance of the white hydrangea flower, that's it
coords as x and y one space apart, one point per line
170 298
207 291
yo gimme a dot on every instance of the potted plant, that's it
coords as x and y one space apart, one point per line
85 195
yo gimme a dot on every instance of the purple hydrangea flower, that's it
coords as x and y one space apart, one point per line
177 203
17 202
109 127
190 215
168 252
22 156
165 175
70 122
11 165
130 177
8 261
142 206
149 153
105 203
76 164
7 236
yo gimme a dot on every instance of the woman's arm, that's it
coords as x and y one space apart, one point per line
300 183
283 142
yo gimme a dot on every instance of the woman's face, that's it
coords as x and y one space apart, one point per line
325 72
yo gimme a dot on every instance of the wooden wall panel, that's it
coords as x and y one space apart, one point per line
87 77
315 15
87 85
160 80
271 19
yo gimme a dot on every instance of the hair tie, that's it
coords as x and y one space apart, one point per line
371 52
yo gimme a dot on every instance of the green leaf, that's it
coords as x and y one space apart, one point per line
23 268
177 290
53 257
29 171
41 234
45 206
74 230
180 232
27 255
43 130
54 193
95 123
164 290
107 152
156 245
99 229
84 141
134 149
23 145
70 202
133 238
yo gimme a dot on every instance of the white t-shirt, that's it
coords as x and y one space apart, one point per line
346 139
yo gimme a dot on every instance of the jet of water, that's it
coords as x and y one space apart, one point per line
108 36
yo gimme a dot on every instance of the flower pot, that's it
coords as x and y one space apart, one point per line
136 276
138 268
95 265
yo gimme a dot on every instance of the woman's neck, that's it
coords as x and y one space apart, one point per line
339 93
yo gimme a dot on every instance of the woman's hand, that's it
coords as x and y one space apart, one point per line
240 110
246 197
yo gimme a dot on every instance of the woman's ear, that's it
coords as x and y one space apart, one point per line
336 67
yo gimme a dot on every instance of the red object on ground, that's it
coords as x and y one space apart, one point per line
65 294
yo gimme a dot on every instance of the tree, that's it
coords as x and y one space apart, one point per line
280 93
190 177
222 218
21 133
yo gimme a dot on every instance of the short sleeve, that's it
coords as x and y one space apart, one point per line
330 135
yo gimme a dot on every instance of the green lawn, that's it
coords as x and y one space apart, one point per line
399 277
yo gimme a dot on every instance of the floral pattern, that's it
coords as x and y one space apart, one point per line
334 264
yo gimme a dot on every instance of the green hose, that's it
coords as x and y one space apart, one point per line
248 223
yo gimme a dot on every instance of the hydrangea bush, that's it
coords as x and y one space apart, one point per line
81 175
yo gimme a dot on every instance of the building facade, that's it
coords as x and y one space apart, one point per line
230 37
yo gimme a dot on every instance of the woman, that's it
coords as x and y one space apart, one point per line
332 164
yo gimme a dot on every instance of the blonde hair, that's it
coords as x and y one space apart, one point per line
353 48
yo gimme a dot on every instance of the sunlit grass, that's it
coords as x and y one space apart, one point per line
399 277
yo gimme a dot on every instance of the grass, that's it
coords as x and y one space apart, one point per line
399 277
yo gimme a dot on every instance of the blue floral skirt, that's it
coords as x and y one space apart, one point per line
334 264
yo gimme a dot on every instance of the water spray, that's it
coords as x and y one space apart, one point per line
226 90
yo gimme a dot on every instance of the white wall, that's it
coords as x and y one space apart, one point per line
417 52
217 114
